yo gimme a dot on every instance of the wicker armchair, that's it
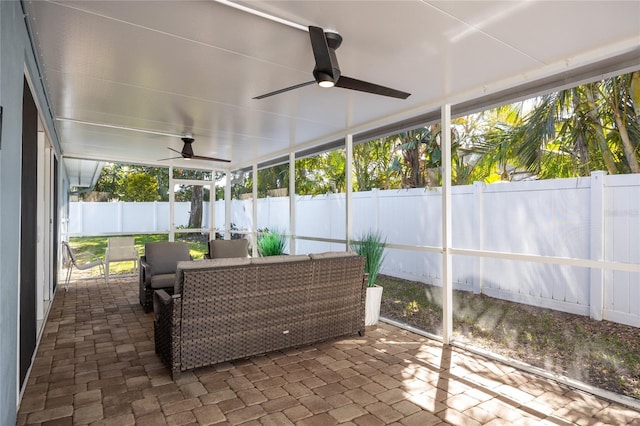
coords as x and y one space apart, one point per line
158 269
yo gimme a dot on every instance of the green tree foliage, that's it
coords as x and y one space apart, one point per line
241 183
420 151
186 192
113 182
140 187
373 165
570 133
622 101
321 174
275 177
486 137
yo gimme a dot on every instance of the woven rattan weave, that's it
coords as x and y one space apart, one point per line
223 313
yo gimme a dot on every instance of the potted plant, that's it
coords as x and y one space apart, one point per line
370 245
271 243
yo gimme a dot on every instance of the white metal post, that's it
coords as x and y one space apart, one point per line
447 282
212 206
227 207
292 202
349 189
254 226
172 205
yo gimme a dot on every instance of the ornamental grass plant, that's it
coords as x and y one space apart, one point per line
271 243
370 245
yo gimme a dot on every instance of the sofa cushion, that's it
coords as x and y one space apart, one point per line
228 248
163 256
213 263
205 264
278 259
163 281
332 254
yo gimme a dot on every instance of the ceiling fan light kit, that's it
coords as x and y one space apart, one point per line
326 72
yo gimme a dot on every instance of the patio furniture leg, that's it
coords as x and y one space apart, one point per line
104 271
68 278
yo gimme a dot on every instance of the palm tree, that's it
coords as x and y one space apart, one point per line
590 127
621 101
485 151
420 150
372 165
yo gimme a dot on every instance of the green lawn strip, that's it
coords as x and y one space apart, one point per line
86 248
601 353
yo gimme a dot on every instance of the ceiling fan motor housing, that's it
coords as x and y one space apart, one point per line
334 40
187 149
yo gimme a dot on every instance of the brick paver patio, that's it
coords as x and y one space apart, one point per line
96 365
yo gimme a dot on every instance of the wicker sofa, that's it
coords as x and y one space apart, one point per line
226 309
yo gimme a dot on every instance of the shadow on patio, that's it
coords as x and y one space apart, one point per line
96 364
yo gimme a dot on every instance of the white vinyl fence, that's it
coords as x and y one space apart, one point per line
595 218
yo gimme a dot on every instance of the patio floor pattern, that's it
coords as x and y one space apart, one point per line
96 365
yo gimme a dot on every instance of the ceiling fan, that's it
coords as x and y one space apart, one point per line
327 71
187 152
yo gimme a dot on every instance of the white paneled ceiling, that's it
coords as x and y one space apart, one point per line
123 76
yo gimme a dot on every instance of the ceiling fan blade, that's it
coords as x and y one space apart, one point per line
364 86
170 158
201 157
321 50
297 86
177 152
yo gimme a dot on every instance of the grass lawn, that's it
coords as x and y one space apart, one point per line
86 247
600 353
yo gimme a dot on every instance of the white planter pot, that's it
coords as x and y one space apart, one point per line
372 305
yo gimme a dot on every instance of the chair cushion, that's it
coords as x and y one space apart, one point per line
163 281
164 256
228 248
